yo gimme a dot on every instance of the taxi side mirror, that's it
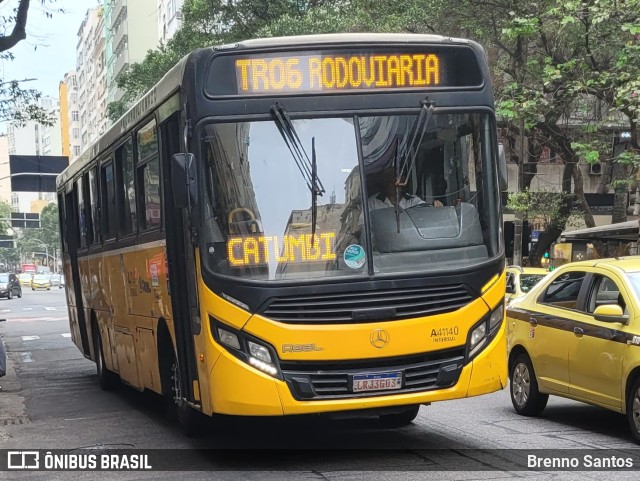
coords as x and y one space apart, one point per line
610 313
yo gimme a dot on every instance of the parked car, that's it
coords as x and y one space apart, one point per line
520 280
40 281
25 279
54 279
577 335
10 285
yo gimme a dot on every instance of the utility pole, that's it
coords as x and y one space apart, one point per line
518 224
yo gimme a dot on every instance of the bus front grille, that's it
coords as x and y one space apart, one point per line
367 306
334 379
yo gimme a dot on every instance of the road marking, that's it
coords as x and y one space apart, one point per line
27 309
51 308
37 319
5 310
66 334
26 357
30 338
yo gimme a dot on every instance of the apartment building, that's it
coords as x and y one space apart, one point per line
131 29
169 18
91 78
70 116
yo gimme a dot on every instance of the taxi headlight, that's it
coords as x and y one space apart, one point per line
484 331
246 348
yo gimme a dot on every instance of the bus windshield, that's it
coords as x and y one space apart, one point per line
430 192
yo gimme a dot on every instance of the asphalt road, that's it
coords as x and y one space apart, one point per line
50 399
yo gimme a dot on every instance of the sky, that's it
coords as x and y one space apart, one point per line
49 50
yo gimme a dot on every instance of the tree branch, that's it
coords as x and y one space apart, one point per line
19 29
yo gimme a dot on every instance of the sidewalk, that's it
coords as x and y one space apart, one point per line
12 408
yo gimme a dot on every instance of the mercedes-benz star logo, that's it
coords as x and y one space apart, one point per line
379 338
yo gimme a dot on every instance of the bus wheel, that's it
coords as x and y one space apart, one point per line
189 419
400 419
108 380
525 396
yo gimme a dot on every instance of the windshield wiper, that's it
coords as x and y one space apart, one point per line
419 129
409 158
307 167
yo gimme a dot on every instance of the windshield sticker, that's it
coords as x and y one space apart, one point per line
354 256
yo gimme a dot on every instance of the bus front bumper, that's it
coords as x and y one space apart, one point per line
239 389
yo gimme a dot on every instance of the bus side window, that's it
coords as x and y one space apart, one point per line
92 206
109 219
126 190
86 204
81 214
148 177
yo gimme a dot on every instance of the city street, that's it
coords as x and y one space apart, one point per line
50 399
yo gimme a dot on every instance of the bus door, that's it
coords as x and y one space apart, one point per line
180 257
73 239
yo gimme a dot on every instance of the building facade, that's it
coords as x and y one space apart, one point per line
169 18
131 29
70 116
91 78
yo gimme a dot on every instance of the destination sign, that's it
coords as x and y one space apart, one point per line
249 251
343 71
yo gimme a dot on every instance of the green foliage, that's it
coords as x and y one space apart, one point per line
5 213
544 207
17 104
32 240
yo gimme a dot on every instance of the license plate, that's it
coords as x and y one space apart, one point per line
377 382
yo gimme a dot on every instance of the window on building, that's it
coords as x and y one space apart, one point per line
75 133
76 150
148 177
75 116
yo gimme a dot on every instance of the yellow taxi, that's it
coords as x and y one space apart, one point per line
520 280
576 334
25 279
41 281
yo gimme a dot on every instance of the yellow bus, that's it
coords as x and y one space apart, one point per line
296 225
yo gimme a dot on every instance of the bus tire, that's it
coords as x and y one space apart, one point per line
108 380
633 410
400 419
189 420
525 395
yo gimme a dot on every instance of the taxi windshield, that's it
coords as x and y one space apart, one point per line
527 281
286 199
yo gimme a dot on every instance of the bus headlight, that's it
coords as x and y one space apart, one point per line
484 331
246 348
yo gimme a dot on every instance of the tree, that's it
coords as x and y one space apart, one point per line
8 256
561 69
17 104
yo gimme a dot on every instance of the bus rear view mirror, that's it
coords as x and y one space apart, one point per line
184 180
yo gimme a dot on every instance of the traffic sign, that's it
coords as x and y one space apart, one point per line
7 241
25 220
